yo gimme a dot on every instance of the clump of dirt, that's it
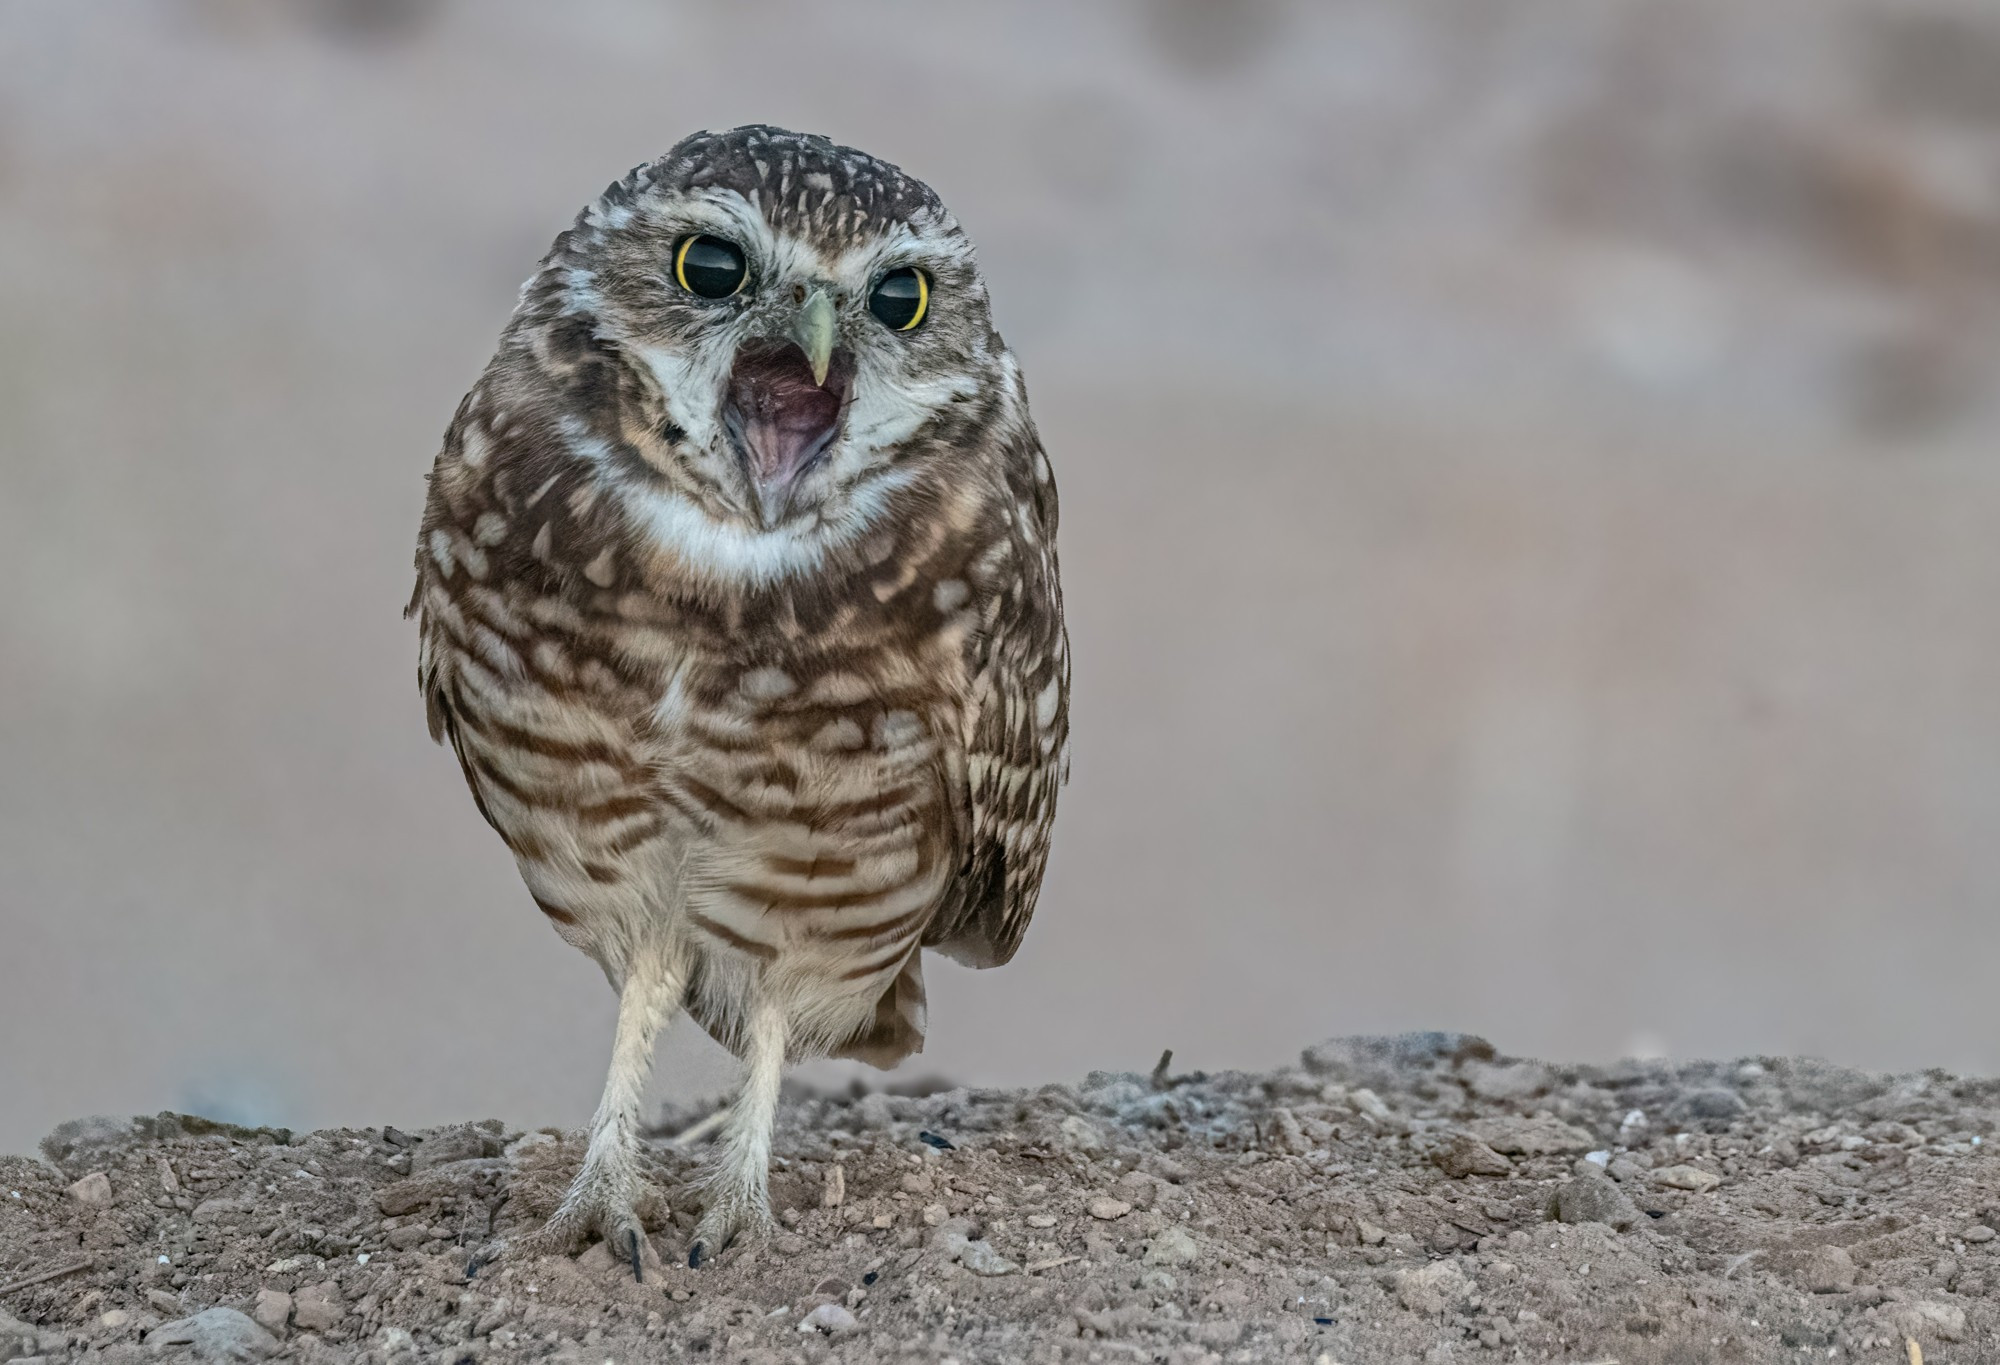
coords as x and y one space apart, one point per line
1410 1199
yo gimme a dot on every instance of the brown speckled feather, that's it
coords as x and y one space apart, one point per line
1016 735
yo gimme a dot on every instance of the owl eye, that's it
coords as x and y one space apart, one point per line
901 298
709 267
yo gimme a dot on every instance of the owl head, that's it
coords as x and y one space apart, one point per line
767 333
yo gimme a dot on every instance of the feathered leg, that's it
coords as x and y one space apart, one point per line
600 1198
738 1183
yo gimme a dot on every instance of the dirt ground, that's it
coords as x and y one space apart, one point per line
1386 1200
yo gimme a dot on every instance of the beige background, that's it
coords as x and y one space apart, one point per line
1530 508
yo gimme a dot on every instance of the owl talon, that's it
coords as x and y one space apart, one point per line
599 1204
732 1214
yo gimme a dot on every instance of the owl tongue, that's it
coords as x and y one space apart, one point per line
779 419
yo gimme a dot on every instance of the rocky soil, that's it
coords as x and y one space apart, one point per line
1386 1200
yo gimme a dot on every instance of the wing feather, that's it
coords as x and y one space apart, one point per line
1016 732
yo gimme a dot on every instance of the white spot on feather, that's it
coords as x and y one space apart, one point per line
950 594
766 684
895 729
1045 704
671 711
580 292
543 491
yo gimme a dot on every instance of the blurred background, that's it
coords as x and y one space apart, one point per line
1531 522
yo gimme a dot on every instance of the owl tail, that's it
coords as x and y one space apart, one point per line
898 1027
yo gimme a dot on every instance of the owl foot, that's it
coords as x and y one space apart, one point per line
600 1206
733 1211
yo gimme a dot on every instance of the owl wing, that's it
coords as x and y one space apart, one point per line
1016 733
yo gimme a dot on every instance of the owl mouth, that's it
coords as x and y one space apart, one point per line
779 420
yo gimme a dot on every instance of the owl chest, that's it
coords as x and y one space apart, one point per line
818 797
820 743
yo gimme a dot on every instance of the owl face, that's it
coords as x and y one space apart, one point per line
812 319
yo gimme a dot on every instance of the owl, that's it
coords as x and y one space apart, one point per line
739 606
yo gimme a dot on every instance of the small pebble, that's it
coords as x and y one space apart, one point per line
981 1258
1593 1198
93 1191
1465 1155
1688 1178
1107 1208
272 1310
1828 1270
1174 1246
830 1318
1623 1169
216 1334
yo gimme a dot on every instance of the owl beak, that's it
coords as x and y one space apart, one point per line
780 417
814 330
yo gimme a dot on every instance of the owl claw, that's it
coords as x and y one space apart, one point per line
600 1206
732 1213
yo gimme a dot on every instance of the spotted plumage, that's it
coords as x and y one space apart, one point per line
741 613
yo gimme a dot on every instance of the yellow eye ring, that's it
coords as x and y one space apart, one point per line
709 267
901 299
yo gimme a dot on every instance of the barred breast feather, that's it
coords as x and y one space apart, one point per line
801 777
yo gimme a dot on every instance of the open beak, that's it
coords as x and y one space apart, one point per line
814 331
785 400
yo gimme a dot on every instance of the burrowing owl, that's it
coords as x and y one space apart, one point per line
738 596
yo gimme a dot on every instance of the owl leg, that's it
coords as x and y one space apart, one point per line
738 1182
600 1199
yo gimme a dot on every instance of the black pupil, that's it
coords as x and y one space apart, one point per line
897 298
712 267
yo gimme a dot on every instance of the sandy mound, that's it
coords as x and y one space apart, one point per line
1414 1199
